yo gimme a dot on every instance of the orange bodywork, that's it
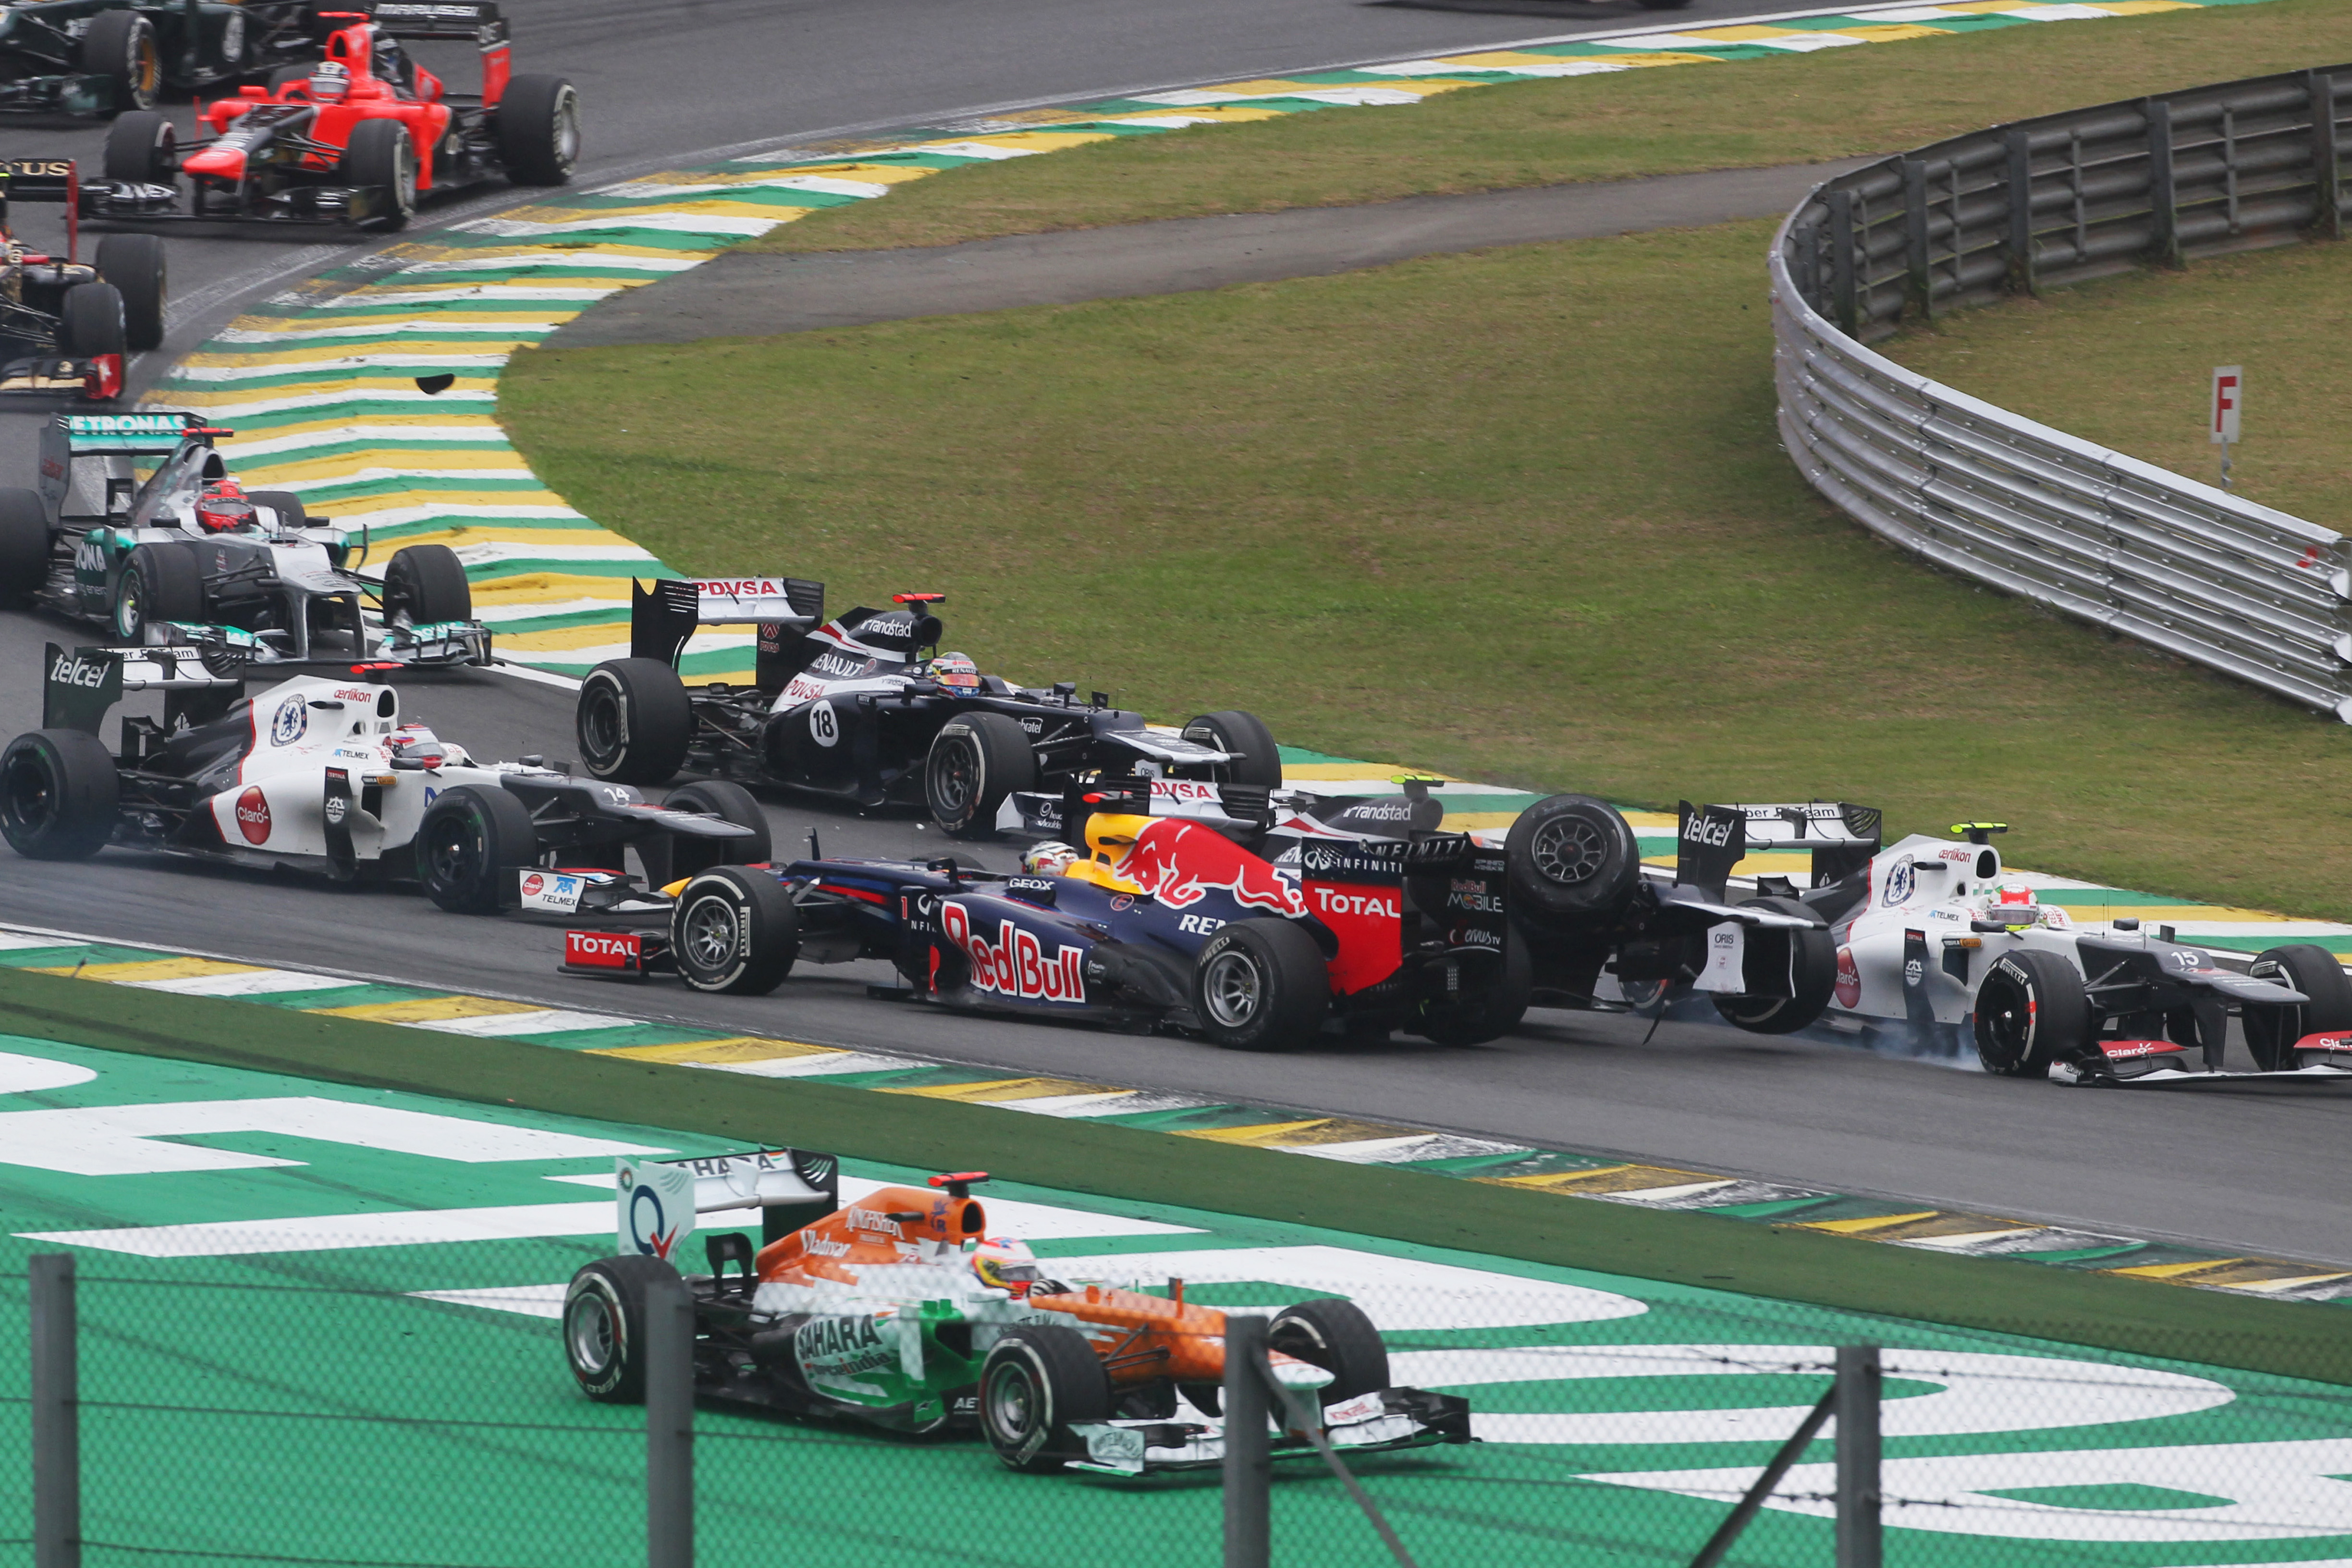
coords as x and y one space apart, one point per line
1146 1337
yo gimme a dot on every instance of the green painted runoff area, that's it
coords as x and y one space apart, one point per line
263 1378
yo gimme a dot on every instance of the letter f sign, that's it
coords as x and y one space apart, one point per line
2228 393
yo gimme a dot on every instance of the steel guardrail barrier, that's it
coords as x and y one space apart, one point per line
2141 552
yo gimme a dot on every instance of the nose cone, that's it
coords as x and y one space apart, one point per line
218 162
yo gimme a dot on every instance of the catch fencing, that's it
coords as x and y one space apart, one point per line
2143 553
206 1415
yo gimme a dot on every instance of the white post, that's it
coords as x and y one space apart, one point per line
2221 420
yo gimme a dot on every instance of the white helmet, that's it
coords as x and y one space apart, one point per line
329 80
1048 859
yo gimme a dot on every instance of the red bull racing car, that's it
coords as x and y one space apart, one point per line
354 139
1258 937
865 708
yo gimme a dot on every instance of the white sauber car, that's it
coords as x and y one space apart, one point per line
1932 938
328 775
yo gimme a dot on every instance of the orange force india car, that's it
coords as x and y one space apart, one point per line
903 1312
354 139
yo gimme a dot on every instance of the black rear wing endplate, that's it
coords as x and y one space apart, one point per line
663 617
475 20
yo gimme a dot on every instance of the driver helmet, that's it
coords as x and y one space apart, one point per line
956 670
221 507
415 741
329 80
1047 860
1005 1264
2013 893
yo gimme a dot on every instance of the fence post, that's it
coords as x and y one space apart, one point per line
2163 197
1249 1463
669 1426
56 1415
2327 163
1914 236
1843 300
2021 278
1857 1456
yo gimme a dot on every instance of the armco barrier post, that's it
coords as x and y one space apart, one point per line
56 1415
1857 1456
1249 1462
2327 165
669 1426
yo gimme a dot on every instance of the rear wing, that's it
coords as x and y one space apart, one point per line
1713 839
663 617
44 180
657 1201
70 435
454 19
78 687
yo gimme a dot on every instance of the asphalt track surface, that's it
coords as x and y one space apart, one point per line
750 294
666 83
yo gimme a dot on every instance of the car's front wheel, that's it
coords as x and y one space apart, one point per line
381 156
976 761
470 842
158 584
2304 966
427 583
2030 1012
1336 1336
734 931
1038 1381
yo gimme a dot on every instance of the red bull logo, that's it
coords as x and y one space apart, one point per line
1015 964
1180 863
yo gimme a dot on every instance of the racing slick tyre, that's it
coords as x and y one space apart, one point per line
379 154
158 583
604 1326
1039 1380
734 931
469 842
91 319
59 793
727 802
143 148
287 506
2030 1012
1261 985
133 263
24 545
429 582
121 45
976 761
1336 1336
1571 856
2271 1032
1812 977
538 129
1231 730
634 721
1494 1015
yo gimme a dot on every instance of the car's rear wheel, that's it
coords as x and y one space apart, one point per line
2272 1031
1230 730
59 795
427 583
379 154
24 545
1336 1336
634 721
133 263
1813 978
727 802
2030 1012
1261 985
538 129
604 1326
1569 856
121 46
976 761
158 583
1039 1380
91 322
735 931
469 845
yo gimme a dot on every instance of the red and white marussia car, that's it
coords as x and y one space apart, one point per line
1932 938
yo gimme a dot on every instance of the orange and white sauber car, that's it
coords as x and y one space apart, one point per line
904 1312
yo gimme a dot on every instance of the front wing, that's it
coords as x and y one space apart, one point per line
1377 1422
